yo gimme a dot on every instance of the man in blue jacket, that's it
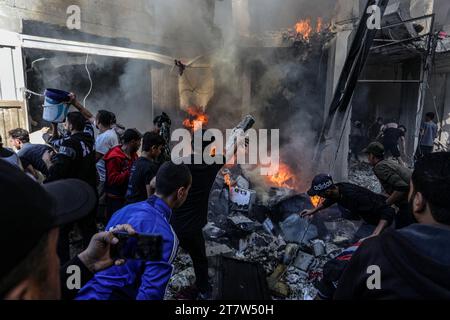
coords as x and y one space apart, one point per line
138 279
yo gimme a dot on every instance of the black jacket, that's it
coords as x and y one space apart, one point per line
414 264
75 160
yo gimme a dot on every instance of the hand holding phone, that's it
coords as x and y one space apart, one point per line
140 246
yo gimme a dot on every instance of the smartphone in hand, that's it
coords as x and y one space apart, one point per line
140 246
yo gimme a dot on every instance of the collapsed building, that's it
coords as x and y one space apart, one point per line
308 70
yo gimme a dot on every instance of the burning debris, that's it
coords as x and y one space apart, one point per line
196 116
304 31
291 250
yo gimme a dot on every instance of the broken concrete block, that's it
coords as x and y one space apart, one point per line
290 253
303 261
297 229
244 223
243 183
213 232
318 247
217 249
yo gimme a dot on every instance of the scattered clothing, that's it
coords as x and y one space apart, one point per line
332 272
138 279
414 264
142 173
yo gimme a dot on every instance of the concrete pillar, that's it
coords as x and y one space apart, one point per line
338 138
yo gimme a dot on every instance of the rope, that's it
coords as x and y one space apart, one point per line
90 80
32 92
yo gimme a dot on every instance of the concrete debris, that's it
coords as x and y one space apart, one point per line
242 183
361 173
244 223
184 279
213 232
318 247
268 226
298 230
215 249
303 261
342 231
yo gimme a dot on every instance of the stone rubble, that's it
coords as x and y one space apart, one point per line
304 262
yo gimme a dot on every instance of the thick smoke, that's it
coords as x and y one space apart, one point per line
281 81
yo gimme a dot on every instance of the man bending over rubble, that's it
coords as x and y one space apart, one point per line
414 262
357 202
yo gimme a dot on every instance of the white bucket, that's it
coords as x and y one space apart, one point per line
55 112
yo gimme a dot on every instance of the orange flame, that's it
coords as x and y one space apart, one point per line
316 200
196 117
284 178
305 27
319 26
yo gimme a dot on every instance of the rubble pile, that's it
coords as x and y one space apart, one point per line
292 250
360 173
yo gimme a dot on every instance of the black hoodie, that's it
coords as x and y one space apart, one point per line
414 263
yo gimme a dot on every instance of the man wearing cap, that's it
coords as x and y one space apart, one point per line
358 202
33 214
395 180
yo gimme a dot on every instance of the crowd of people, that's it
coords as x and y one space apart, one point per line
392 136
79 183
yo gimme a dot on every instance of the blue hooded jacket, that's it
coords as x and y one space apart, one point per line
137 279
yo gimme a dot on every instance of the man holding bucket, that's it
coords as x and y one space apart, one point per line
75 160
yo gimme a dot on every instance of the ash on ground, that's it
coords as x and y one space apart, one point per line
361 173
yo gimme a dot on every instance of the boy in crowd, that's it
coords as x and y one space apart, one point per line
118 163
145 168
139 279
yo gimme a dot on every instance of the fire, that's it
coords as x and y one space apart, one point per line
227 177
305 27
196 117
316 200
284 178
319 26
